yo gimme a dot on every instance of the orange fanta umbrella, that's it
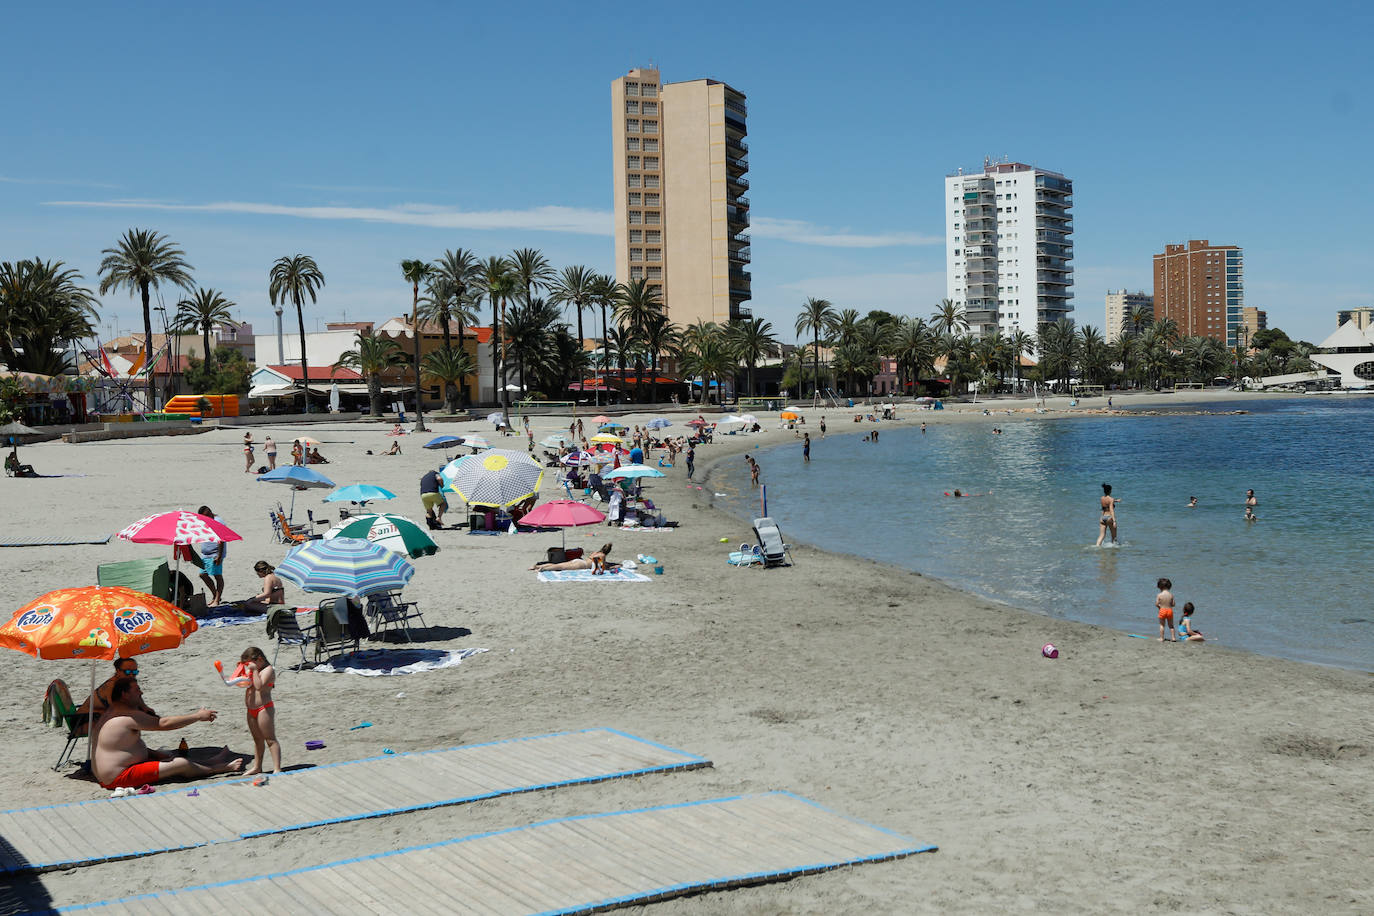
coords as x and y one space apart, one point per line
95 622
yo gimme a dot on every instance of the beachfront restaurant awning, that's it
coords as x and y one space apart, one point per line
273 391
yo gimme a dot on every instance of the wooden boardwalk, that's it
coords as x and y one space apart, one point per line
571 865
54 540
83 833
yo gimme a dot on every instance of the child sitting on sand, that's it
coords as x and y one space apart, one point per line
1185 625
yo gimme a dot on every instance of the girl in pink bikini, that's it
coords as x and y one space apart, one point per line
262 716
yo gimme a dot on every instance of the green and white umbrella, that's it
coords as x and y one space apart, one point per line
500 477
394 532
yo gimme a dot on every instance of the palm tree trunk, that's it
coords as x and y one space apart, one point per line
206 332
816 367
415 326
147 344
495 346
603 355
653 377
578 306
462 389
448 345
505 395
305 364
374 393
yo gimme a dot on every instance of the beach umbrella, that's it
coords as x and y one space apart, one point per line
659 423
179 527
345 566
612 425
789 415
334 398
476 442
563 514
601 419
394 532
360 493
578 459
500 477
632 472
607 439
557 440
444 442
497 417
296 477
698 422
730 421
749 418
96 622
17 429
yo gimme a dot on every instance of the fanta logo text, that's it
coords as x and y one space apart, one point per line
132 621
36 619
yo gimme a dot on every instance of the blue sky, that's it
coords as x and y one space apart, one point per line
363 134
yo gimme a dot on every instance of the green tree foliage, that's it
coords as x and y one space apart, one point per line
141 261
416 272
294 279
226 372
203 313
42 306
370 357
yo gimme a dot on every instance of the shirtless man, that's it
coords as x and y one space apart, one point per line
121 758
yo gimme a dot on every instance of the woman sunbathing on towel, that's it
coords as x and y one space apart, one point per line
596 562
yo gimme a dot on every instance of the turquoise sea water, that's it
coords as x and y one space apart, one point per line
1294 584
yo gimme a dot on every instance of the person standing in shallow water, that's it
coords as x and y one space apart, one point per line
1107 521
806 448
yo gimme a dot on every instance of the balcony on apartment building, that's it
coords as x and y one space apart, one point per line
735 165
1052 250
735 146
741 238
739 312
741 253
737 183
1052 292
1053 236
1050 183
736 216
1059 214
735 115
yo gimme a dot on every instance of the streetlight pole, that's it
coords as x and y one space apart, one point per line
166 340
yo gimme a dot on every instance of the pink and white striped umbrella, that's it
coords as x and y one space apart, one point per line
178 527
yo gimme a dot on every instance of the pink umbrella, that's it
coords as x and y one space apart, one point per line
601 419
563 513
179 528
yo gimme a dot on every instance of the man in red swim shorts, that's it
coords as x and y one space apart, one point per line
122 759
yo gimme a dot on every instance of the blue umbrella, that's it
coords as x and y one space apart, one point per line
296 477
345 566
658 423
444 442
360 493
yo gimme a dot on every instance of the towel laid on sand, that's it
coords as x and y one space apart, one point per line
585 575
391 662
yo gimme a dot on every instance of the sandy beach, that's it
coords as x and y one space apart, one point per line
1122 777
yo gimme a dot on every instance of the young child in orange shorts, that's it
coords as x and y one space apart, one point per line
1164 603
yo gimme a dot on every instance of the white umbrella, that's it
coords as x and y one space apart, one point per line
334 398
16 429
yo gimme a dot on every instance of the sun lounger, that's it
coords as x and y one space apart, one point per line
775 552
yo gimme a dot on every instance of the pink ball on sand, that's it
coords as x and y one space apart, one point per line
1049 650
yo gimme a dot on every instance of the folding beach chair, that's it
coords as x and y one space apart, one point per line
388 610
775 552
283 625
339 626
60 711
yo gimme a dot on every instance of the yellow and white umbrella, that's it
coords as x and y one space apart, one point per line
499 477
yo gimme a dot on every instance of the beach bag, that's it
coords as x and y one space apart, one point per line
557 555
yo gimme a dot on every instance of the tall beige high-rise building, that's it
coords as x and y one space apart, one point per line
1120 305
681 215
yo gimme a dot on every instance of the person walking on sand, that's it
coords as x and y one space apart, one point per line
1164 604
822 427
212 554
269 447
247 453
262 714
1107 522
691 460
806 448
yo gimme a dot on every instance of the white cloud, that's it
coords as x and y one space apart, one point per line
547 219
802 232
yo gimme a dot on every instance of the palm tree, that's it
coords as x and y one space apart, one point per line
637 306
574 288
496 278
1058 345
1018 345
532 270
530 332
752 339
606 293
41 306
1094 355
203 312
143 260
416 272
370 357
620 346
292 279
846 326
696 337
449 367
455 276
949 318
708 356
914 347
661 337
817 316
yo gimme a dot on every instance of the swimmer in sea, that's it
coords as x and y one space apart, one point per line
1192 502
1250 515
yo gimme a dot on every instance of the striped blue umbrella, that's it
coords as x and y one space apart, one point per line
444 442
345 566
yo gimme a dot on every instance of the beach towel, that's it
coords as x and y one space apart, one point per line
393 662
585 575
230 620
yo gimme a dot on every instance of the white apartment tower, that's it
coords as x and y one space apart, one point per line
1120 305
1009 249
